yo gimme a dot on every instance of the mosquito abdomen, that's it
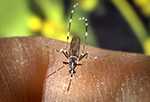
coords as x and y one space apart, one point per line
75 46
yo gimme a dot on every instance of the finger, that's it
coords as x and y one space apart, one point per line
23 65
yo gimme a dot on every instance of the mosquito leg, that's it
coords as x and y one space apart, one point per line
70 21
55 71
86 32
70 82
65 62
82 56
65 53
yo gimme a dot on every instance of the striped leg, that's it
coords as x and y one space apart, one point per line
85 20
70 21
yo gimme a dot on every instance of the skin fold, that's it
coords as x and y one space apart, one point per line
104 76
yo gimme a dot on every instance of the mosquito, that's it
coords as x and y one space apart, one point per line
73 54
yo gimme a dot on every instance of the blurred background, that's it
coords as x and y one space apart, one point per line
122 25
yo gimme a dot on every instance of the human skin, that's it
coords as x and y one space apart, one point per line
104 76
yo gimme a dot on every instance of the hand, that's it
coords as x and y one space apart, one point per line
23 65
105 76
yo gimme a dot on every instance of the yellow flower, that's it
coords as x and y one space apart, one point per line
35 23
142 3
146 10
89 4
53 30
147 46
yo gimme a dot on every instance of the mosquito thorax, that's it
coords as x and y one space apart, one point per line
72 61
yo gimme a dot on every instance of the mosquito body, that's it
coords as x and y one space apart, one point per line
73 54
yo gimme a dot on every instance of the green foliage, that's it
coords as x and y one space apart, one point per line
13 18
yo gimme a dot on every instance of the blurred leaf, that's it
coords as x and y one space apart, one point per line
132 19
13 17
53 9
